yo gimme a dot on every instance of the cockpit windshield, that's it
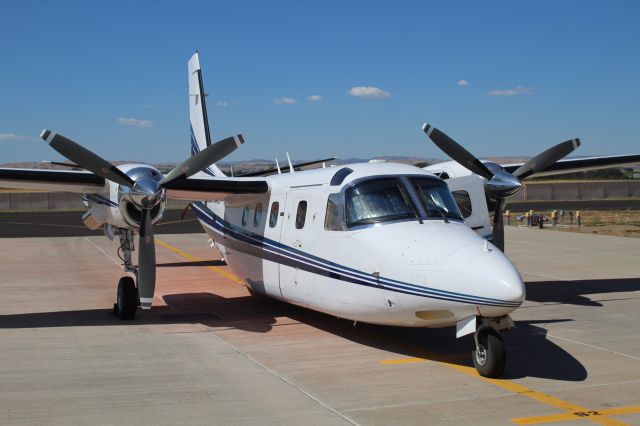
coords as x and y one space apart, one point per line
436 198
379 200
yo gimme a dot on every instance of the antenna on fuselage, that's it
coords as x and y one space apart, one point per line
290 165
278 166
232 170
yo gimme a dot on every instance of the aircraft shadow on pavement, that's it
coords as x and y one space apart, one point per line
574 292
529 352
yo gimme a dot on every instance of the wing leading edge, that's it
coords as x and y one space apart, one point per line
572 165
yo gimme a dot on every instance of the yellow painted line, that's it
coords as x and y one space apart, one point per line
579 415
574 411
186 255
401 361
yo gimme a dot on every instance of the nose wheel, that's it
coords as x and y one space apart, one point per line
489 356
127 299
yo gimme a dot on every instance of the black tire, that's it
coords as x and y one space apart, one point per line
127 301
491 359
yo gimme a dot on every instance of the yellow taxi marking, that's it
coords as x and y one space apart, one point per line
575 412
186 255
578 415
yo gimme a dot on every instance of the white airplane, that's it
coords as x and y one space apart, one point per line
380 243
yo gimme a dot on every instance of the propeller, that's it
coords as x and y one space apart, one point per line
145 192
500 184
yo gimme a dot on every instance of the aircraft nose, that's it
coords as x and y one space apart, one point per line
496 278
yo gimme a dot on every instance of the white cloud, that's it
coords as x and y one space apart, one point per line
222 103
284 101
462 83
520 90
369 92
12 137
314 98
127 121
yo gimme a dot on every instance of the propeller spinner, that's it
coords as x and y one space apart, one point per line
500 183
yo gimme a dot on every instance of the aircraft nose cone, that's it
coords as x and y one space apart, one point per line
497 280
145 192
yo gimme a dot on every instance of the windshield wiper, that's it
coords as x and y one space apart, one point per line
407 200
442 212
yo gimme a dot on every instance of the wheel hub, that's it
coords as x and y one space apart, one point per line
481 355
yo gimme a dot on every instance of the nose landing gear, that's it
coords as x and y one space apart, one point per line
489 356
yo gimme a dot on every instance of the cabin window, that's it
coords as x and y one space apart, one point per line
245 213
333 219
436 198
257 215
273 215
463 201
301 215
379 200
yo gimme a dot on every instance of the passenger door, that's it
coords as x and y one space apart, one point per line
299 229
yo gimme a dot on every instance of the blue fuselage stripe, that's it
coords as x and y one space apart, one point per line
289 256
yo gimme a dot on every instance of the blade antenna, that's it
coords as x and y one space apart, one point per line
290 165
278 166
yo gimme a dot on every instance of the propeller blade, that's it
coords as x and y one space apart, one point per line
498 225
546 158
146 261
456 151
85 158
203 159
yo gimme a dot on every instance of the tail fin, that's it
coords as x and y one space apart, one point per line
200 134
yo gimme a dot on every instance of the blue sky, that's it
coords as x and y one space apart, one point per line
113 76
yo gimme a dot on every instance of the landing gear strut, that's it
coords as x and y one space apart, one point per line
489 356
128 299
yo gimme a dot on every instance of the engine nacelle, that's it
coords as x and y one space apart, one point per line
117 208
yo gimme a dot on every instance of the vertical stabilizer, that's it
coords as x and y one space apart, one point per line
200 133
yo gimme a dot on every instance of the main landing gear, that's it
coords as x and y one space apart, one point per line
127 299
489 356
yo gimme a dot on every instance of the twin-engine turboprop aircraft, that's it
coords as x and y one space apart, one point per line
381 243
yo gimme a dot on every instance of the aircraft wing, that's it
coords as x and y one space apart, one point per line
572 165
51 180
212 189
191 189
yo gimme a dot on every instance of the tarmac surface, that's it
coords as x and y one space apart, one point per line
209 353
68 223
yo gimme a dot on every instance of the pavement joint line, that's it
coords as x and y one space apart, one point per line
103 252
594 347
574 410
186 255
282 378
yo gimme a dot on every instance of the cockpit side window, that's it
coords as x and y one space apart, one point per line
375 201
463 201
436 198
334 218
